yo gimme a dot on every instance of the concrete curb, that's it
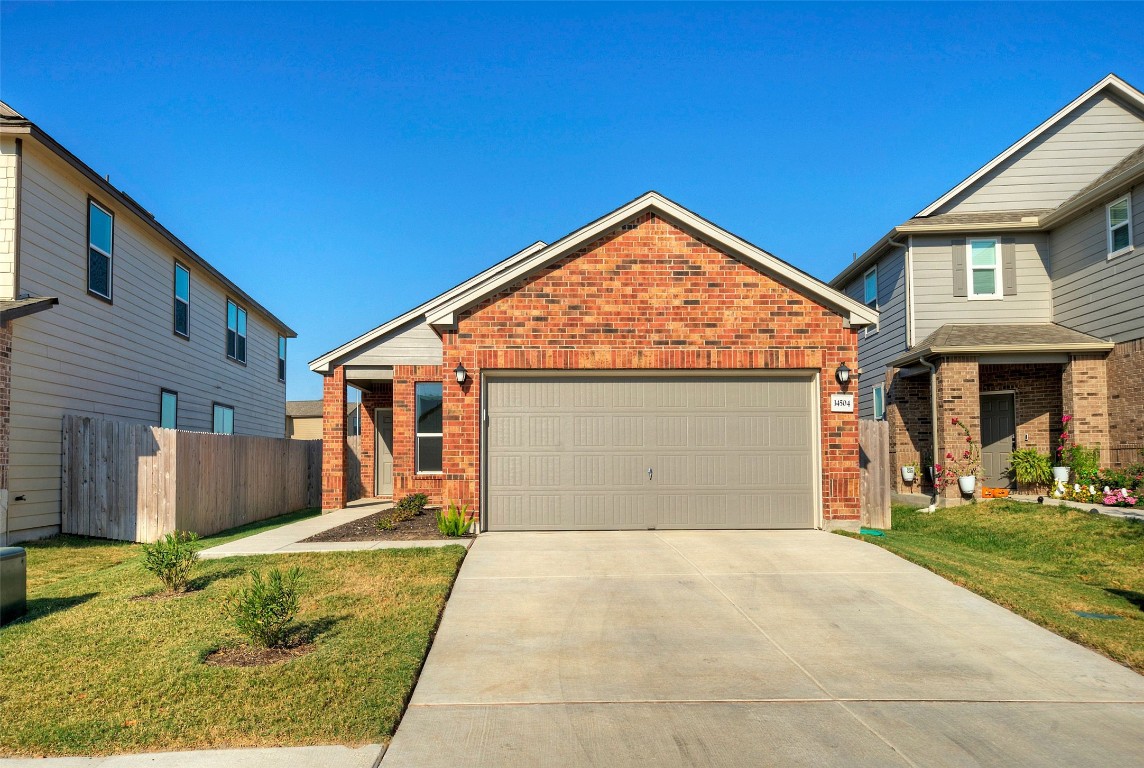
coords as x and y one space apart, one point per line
368 756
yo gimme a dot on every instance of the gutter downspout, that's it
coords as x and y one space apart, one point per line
933 419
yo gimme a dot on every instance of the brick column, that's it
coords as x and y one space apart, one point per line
1084 395
911 428
334 446
958 396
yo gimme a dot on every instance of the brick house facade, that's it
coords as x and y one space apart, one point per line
655 292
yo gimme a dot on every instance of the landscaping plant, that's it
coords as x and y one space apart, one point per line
263 608
172 558
409 507
1031 467
455 522
1084 462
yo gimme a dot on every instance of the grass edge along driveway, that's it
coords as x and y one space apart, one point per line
91 671
1043 562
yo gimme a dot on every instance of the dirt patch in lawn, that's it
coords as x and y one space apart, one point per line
248 656
421 527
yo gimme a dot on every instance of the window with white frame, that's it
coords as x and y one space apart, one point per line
223 419
871 287
182 300
1119 226
880 401
984 269
282 358
235 332
100 244
168 409
428 396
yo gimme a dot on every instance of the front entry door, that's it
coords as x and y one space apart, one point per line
998 439
383 451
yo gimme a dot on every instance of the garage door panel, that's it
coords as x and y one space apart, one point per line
572 452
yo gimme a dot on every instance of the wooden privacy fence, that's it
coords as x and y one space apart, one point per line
874 466
135 482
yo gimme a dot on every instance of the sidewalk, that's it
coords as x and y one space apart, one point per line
290 538
1127 513
287 757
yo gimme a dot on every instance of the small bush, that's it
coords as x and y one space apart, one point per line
386 523
263 608
172 558
455 522
1031 467
412 505
1085 462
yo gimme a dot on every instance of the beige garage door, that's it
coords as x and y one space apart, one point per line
603 453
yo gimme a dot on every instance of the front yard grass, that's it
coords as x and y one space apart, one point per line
1041 561
89 671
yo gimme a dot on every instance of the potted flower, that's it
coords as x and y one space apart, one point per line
909 472
967 466
1061 470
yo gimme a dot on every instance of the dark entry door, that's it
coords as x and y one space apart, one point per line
998 439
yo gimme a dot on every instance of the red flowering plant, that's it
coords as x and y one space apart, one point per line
961 463
1063 448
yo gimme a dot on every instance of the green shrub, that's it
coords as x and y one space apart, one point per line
1085 463
172 558
455 522
263 608
1031 467
386 522
411 505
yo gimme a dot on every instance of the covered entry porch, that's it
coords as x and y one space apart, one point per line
1009 385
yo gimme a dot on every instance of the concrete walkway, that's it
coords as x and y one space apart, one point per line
1128 513
797 648
293 757
289 538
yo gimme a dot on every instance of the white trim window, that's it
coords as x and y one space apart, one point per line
100 246
984 269
880 401
222 419
182 311
1119 226
282 358
428 429
870 287
235 332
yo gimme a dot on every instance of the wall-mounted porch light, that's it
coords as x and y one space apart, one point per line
842 373
461 373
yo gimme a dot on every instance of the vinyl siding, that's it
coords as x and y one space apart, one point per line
1059 163
934 302
89 357
1092 294
877 348
414 343
9 163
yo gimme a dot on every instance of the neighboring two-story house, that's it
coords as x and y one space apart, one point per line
1015 298
105 313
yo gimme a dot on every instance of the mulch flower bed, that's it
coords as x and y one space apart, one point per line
249 656
423 526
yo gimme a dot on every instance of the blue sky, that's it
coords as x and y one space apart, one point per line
344 162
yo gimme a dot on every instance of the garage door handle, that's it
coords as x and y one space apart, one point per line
649 473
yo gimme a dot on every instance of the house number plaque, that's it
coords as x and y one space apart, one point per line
842 403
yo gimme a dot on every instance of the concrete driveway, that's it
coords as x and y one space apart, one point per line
748 649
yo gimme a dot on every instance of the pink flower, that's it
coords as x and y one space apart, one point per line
1064 435
949 455
953 420
968 439
1066 419
965 455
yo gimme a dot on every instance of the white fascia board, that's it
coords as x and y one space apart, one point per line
856 314
322 364
1112 82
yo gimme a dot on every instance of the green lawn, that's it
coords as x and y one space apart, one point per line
1041 561
91 671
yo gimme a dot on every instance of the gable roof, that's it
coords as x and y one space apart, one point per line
444 309
1111 83
12 122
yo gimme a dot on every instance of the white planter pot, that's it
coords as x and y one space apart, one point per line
967 483
908 474
1060 474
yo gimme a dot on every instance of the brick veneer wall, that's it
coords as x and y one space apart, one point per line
910 428
1084 395
1126 403
958 396
5 402
334 439
646 296
1038 401
378 396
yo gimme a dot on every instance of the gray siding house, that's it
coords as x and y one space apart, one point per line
1015 298
105 313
